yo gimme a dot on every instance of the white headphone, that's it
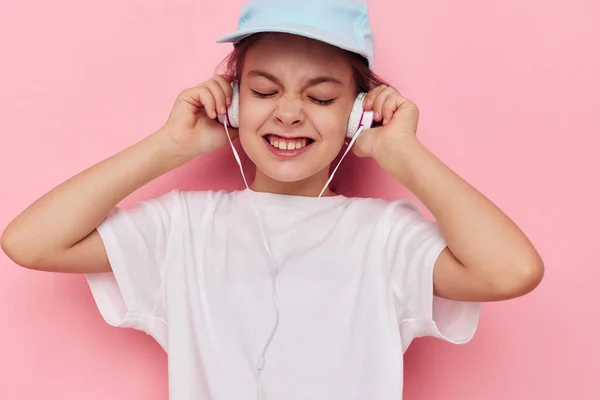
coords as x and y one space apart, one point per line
358 116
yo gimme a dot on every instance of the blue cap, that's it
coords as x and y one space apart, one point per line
341 23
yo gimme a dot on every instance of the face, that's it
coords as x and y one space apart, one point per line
296 95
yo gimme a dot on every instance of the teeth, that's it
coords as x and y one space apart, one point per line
284 144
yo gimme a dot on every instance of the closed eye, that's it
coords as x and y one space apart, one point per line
321 102
263 95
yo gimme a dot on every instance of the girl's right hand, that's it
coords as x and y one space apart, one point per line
65 219
193 125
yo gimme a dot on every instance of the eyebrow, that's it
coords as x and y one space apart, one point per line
314 81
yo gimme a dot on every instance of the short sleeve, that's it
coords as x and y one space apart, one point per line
412 246
136 241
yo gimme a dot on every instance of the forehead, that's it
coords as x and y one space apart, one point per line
296 57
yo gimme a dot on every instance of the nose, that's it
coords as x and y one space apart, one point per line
289 112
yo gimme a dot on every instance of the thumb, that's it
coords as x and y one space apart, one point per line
363 147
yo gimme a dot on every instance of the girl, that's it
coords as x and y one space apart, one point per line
285 287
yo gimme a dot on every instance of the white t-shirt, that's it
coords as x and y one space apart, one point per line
354 289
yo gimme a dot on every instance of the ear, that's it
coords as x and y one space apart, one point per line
232 118
359 117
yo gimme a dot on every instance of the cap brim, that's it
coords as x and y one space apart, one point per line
294 30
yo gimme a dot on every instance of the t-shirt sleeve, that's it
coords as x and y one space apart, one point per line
412 246
136 242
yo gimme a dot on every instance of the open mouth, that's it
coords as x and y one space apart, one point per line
281 143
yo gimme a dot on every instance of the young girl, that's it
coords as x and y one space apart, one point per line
285 288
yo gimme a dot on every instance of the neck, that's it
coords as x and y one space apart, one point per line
309 187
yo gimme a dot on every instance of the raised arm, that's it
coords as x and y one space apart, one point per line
58 231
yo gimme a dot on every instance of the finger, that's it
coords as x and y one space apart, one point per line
189 100
364 144
391 104
205 98
370 97
382 96
409 113
219 96
226 86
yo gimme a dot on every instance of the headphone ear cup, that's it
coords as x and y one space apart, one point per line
359 117
232 118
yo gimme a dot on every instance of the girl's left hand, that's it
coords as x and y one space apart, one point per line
399 118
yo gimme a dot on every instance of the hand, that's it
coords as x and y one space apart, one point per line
193 125
398 119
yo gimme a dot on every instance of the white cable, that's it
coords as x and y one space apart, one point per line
360 129
262 359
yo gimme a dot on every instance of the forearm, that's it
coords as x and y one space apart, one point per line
72 210
477 232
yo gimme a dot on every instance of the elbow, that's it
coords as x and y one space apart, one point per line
7 244
537 273
532 275
525 276
16 250
9 247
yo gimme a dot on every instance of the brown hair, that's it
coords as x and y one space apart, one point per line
233 64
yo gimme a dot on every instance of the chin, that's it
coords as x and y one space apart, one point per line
288 172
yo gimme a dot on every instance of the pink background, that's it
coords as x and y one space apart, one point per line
509 96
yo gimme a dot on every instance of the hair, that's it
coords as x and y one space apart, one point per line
364 77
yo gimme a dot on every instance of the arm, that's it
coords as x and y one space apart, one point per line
488 257
58 231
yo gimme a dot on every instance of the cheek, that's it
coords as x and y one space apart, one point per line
253 115
331 122
253 112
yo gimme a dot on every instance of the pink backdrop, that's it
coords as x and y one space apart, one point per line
509 96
